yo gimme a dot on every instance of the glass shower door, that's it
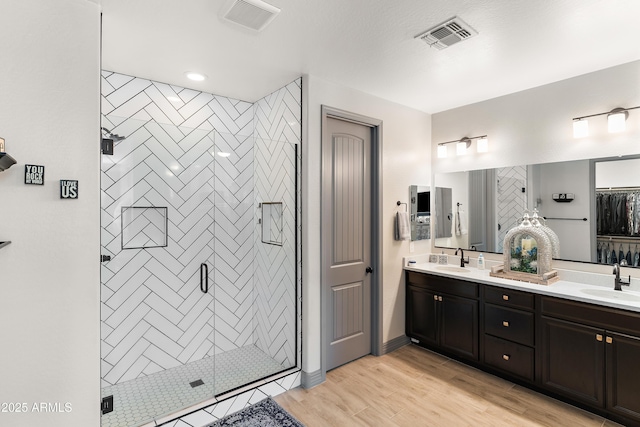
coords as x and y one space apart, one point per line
256 249
157 293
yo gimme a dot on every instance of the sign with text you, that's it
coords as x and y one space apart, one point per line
68 189
34 174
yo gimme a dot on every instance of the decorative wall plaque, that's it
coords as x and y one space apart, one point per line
34 174
68 189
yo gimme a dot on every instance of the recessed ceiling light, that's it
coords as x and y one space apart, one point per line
196 77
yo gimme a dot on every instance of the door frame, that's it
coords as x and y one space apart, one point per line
376 229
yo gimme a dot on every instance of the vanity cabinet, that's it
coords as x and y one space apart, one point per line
442 313
573 360
622 357
509 331
591 355
585 353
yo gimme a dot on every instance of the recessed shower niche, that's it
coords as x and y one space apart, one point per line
188 308
271 220
144 227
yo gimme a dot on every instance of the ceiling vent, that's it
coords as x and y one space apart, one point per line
448 33
252 14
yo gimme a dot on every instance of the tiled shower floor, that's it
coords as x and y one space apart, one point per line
141 400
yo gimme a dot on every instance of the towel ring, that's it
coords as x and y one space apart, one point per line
405 205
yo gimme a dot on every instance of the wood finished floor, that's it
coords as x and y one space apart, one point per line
416 387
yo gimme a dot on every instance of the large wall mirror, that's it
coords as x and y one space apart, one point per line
593 205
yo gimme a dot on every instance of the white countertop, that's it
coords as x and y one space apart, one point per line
573 285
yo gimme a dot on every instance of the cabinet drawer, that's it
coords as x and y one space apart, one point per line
447 285
510 357
509 297
510 324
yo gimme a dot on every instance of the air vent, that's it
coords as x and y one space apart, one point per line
252 14
448 33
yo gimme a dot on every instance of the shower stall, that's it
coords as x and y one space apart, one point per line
200 277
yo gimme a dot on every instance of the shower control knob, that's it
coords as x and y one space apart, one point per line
369 270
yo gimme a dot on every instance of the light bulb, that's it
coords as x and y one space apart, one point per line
617 121
461 148
483 145
580 128
442 151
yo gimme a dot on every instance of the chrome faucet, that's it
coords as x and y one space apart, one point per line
462 260
618 282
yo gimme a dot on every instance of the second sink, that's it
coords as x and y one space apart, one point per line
611 294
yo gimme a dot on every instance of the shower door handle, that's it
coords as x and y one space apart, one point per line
204 282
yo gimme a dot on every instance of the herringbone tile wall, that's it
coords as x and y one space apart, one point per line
511 200
278 133
154 315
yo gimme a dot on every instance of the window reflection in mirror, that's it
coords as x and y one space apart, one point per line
493 200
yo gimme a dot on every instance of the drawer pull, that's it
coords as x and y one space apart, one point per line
609 340
598 337
506 357
435 297
439 298
505 297
505 323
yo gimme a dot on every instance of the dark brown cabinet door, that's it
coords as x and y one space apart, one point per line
421 318
623 375
459 326
573 360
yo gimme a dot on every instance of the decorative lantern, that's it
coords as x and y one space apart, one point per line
528 250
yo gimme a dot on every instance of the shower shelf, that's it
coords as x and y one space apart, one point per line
3 244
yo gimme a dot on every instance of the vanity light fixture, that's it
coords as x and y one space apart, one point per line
616 119
463 144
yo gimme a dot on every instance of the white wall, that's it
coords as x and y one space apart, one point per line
406 159
49 282
567 177
535 125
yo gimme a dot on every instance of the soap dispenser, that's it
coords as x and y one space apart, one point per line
480 262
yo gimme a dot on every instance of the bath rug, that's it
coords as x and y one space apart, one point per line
265 413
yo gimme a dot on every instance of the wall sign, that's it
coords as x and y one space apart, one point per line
34 174
68 189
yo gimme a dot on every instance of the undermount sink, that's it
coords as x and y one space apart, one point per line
453 268
611 294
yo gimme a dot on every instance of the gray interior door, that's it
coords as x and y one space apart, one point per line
346 237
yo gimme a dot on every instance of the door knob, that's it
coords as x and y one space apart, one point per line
368 270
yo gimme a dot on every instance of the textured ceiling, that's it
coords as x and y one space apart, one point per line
369 45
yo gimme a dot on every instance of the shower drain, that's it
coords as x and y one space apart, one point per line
196 383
